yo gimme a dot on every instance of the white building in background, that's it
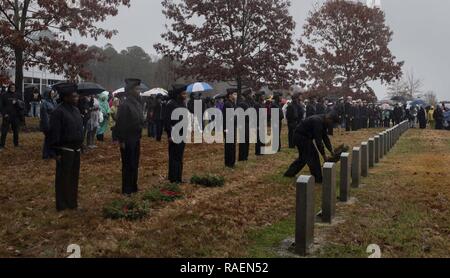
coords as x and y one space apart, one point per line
37 78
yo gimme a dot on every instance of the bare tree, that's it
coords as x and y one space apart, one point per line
431 98
413 85
408 87
398 89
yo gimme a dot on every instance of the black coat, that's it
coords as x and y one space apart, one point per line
315 128
66 127
310 110
320 109
8 107
294 114
130 120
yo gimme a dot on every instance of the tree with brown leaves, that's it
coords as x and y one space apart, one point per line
246 42
346 46
37 32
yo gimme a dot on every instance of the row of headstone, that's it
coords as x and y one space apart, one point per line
353 167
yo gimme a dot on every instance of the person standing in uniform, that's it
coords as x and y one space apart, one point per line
315 129
364 115
340 110
66 139
259 104
294 116
348 114
12 109
128 131
245 103
276 104
176 150
230 143
320 107
310 108
158 117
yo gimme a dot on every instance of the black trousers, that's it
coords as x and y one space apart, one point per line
244 148
66 180
307 155
176 156
258 144
291 132
355 123
281 129
159 130
14 123
230 153
348 124
130 166
364 122
47 152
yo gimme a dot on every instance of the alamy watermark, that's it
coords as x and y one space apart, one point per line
238 126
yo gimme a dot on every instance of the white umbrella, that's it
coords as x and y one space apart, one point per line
119 91
155 92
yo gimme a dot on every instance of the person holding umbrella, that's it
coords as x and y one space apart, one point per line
245 102
128 131
439 117
66 139
176 150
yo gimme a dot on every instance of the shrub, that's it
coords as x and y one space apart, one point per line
126 209
208 180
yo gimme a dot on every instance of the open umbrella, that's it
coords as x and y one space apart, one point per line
90 88
142 88
419 102
199 87
447 116
386 106
155 92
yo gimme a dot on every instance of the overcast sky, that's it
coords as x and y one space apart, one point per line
421 35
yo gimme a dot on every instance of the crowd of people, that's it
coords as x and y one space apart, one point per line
73 123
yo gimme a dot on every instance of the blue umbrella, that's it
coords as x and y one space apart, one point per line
199 87
419 102
447 116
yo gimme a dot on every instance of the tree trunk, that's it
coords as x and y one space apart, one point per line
239 85
19 72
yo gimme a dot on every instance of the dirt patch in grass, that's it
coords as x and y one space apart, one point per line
207 222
